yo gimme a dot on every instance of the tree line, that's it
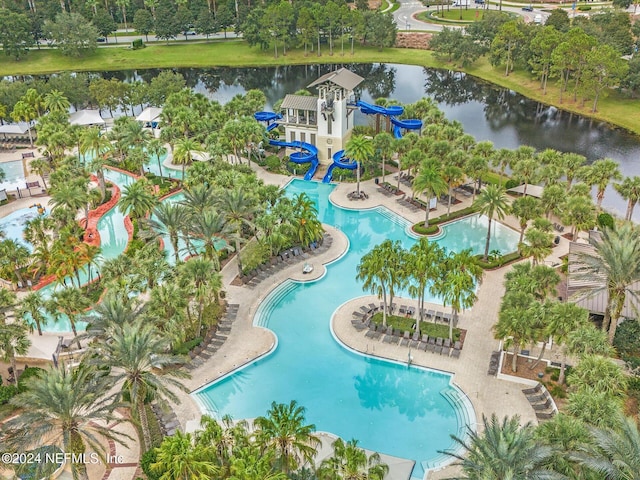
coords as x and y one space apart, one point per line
583 55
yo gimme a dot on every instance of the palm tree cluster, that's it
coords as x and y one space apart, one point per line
564 448
426 267
277 446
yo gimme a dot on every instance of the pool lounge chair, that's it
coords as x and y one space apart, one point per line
438 316
431 345
372 308
358 315
388 338
415 340
372 332
403 309
411 311
405 340
455 353
532 391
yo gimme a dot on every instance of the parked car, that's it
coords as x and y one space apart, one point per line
101 39
527 8
190 32
537 19
479 2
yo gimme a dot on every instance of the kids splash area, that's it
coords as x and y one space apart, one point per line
317 129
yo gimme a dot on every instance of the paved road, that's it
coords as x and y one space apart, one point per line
127 39
406 21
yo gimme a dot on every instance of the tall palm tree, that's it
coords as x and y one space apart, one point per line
553 198
452 175
538 246
209 227
137 200
23 112
629 189
15 256
198 276
525 209
180 457
350 462
359 149
156 148
70 195
526 170
613 453
423 263
99 146
14 340
459 276
239 210
579 212
41 166
198 198
519 315
55 101
563 318
615 263
183 152
571 164
601 173
31 310
69 302
492 201
285 430
71 408
169 219
136 357
429 181
504 450
382 271
385 144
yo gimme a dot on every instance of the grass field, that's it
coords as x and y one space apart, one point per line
615 109
468 15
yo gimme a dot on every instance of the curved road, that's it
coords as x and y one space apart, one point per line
406 21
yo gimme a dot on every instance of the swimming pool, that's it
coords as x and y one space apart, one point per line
13 225
388 407
13 171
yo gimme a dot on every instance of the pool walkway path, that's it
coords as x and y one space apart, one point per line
247 342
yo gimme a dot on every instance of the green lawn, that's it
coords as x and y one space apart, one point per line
468 15
615 109
405 324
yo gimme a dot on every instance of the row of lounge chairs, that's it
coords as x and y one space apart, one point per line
442 346
214 339
405 179
494 363
408 311
284 259
559 228
166 418
414 204
541 401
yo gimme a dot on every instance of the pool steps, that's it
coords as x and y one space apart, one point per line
266 308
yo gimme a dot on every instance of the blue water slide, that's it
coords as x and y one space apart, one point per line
391 112
339 161
308 153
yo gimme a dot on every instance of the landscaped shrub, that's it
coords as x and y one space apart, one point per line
421 230
605 220
148 458
584 8
27 375
7 392
499 261
137 44
511 183
627 343
272 163
253 255
453 215
186 347
405 324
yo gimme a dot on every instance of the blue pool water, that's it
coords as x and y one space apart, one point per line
388 407
13 225
13 171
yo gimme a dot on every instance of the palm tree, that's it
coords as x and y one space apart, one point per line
452 175
615 263
71 408
99 146
503 451
423 263
209 227
199 277
613 453
239 210
629 189
382 270
156 148
179 457
601 173
137 200
284 429
183 152
430 182
571 165
492 201
41 166
525 209
70 302
579 212
359 149
23 112
459 276
562 319
553 198
595 373
70 195
385 144
136 357
350 462
517 320
31 310
539 244
14 255
199 198
14 340
169 219
475 167
55 101
526 170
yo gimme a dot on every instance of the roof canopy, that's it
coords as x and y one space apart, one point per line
86 117
532 190
300 102
14 128
343 78
149 114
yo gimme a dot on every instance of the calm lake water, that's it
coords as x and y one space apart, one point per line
487 112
